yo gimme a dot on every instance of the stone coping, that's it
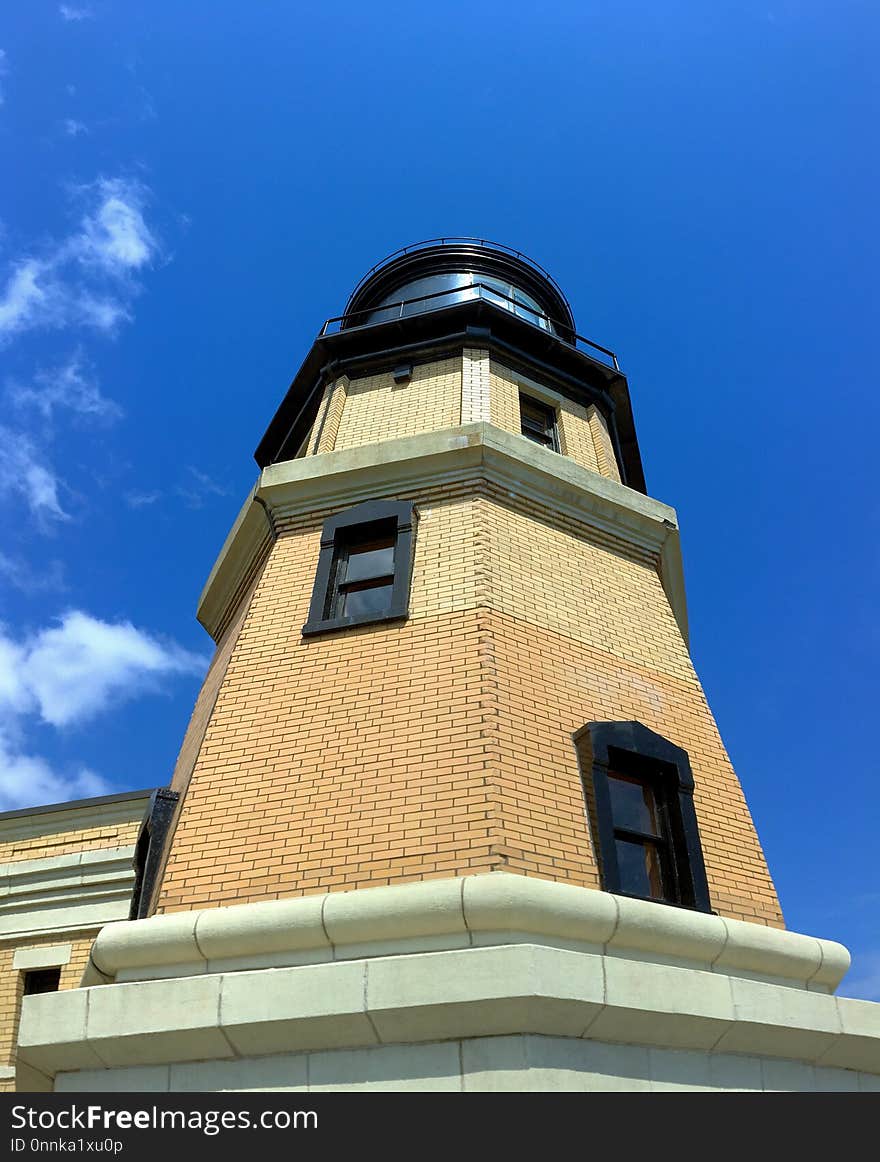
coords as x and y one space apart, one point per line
463 912
440 996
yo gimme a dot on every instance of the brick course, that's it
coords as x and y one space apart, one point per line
376 408
443 746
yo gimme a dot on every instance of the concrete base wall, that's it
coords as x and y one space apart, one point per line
522 1064
487 982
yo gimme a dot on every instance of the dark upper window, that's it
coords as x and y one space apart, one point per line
538 422
639 792
42 980
364 567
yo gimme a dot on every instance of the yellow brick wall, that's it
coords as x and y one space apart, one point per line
58 839
583 433
326 429
443 746
575 437
445 394
475 396
376 408
607 461
503 400
12 986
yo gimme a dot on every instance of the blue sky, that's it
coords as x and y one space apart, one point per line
190 189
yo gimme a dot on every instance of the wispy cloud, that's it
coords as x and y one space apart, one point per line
24 473
199 487
89 278
115 238
74 128
74 14
29 781
4 69
142 499
70 386
18 573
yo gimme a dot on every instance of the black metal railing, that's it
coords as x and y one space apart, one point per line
389 312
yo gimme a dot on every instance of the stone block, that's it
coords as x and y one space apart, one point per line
155 1022
292 1009
431 1068
656 1004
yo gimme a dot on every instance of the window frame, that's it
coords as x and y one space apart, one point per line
550 410
338 531
631 749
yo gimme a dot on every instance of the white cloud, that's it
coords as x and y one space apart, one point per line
68 674
23 298
14 697
23 474
71 672
68 13
73 128
29 781
4 69
116 237
199 488
88 278
68 386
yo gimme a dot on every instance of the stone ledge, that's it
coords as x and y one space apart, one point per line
469 911
439 996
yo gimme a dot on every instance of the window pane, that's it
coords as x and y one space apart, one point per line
363 602
371 559
41 980
639 868
633 805
538 438
537 422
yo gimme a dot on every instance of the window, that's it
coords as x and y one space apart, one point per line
364 567
639 793
42 980
538 422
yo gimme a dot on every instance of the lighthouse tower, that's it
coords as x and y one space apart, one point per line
452 811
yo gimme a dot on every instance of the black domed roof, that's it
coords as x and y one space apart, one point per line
439 271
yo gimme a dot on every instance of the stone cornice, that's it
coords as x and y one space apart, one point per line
65 893
78 815
462 912
469 452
